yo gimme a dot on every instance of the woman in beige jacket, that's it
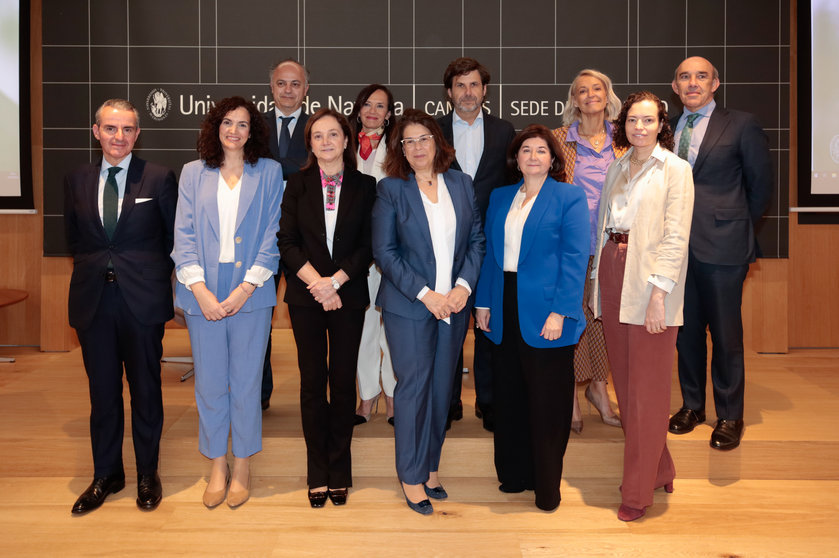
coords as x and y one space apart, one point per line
639 271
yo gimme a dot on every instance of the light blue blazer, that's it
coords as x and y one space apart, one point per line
257 222
402 242
552 262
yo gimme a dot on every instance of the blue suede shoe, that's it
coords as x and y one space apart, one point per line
423 507
438 492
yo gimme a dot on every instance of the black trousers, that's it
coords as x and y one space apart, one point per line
713 297
267 371
481 370
327 352
534 390
115 339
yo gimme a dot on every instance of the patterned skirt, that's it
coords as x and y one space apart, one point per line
590 359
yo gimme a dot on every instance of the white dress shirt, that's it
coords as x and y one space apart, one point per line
700 126
468 142
513 227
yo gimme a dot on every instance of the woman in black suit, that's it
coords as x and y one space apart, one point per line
325 249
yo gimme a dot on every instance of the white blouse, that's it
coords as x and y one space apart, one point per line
513 227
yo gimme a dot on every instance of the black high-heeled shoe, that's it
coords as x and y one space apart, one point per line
318 499
338 496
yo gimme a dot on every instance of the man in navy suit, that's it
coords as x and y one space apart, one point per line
732 175
119 215
289 82
480 141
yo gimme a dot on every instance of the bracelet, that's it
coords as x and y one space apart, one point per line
249 294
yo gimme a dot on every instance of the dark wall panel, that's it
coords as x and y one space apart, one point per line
196 51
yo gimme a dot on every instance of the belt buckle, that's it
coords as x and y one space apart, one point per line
110 276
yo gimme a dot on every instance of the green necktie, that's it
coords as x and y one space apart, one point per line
684 140
110 199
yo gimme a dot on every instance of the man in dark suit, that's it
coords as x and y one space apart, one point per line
119 216
480 141
289 82
732 174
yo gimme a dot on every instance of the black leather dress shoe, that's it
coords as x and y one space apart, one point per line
685 420
338 496
149 491
486 413
96 493
318 499
727 434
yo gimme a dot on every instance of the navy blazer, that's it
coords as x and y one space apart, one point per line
139 249
552 263
197 229
492 168
402 242
297 154
732 180
302 236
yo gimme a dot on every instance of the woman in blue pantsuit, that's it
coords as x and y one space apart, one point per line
225 253
427 240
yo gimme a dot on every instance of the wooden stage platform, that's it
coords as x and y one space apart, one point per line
777 495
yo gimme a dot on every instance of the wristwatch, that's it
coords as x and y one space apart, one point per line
335 284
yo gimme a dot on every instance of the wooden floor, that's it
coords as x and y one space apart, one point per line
777 495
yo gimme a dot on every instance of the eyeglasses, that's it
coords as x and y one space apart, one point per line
419 141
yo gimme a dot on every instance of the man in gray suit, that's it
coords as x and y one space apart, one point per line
732 174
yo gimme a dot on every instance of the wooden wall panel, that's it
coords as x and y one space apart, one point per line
56 333
814 285
765 309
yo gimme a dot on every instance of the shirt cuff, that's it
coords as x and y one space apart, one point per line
190 274
662 283
462 282
422 293
257 275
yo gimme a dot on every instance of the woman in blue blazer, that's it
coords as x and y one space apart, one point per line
427 240
225 253
529 303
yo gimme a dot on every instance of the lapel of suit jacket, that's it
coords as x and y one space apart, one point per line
90 196
207 196
410 191
716 126
345 202
461 207
447 125
498 227
273 137
133 185
250 182
540 204
489 140
313 193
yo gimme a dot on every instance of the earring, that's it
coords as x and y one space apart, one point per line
387 122
358 118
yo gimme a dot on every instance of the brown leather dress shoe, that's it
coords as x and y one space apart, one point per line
685 420
726 435
149 491
96 493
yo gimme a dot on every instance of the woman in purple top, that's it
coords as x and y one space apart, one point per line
587 144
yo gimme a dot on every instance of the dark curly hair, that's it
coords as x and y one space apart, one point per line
557 170
349 152
665 136
209 145
396 164
363 95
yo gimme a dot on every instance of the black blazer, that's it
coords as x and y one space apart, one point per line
139 250
297 155
302 236
492 168
732 179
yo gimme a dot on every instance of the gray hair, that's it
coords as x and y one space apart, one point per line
118 104
571 113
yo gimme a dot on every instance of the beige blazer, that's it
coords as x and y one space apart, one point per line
658 238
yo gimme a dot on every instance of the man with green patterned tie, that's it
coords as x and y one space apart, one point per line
119 215
732 176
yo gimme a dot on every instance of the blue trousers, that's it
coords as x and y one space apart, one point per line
228 355
424 355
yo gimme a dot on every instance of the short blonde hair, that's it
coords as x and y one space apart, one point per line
571 113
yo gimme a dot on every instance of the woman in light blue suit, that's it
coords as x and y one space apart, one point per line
529 303
427 240
225 255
